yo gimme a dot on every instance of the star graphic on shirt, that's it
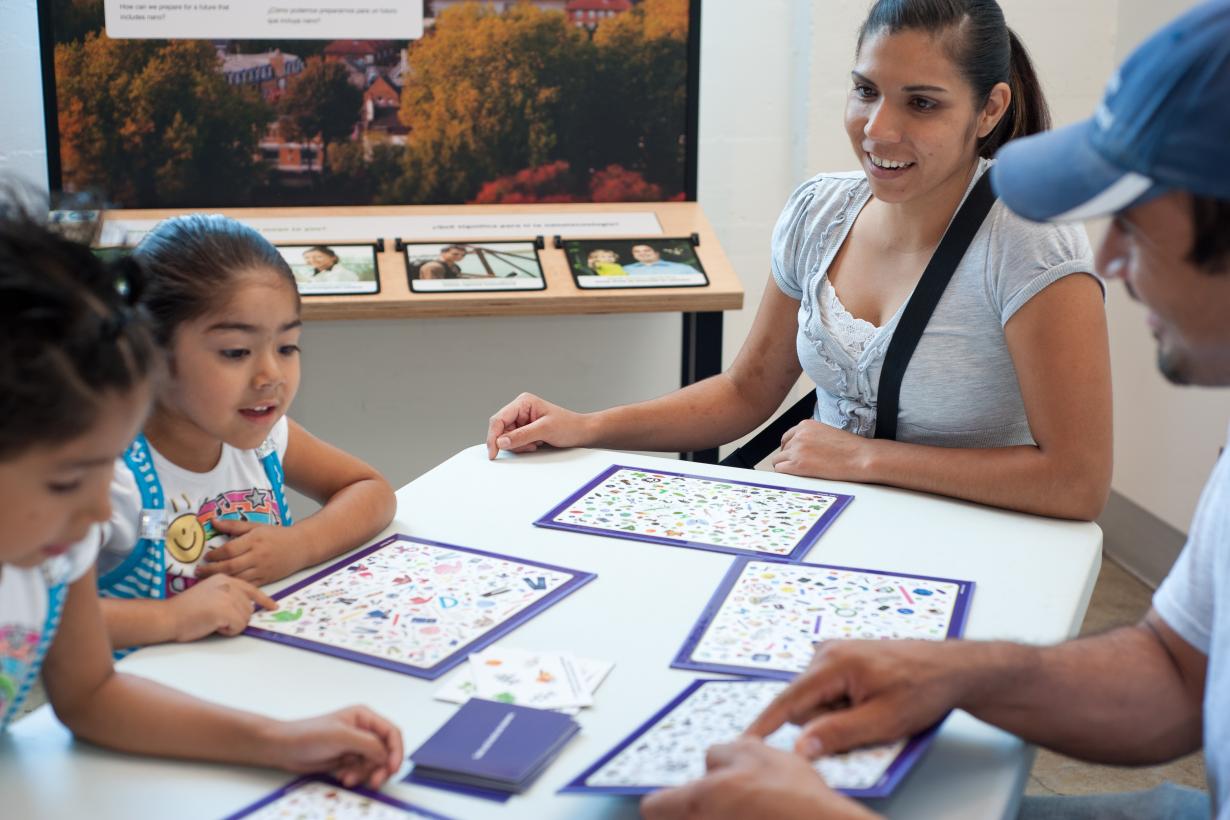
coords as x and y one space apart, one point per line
258 498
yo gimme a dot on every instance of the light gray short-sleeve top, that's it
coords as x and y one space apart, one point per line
960 389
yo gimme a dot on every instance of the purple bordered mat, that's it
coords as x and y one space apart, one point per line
410 609
788 500
776 630
309 781
884 785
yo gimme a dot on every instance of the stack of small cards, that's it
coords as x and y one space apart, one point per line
543 680
491 749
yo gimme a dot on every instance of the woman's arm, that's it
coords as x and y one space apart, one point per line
135 715
356 503
706 414
1059 347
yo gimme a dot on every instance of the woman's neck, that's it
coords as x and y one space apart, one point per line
181 442
918 225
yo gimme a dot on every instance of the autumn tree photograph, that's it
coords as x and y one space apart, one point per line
499 101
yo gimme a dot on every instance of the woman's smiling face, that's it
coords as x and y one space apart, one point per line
911 115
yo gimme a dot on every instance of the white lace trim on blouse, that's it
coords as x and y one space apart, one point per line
848 331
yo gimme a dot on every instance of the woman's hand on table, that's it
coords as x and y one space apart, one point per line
814 449
856 693
746 778
528 422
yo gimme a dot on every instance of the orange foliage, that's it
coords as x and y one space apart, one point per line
545 183
615 183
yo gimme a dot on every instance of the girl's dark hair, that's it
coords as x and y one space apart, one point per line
190 261
69 334
1211 243
985 51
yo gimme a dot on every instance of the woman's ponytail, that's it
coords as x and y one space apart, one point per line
1028 113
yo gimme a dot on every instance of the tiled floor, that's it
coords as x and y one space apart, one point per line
1118 599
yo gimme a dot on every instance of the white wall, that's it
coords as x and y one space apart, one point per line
407 394
773 81
1166 437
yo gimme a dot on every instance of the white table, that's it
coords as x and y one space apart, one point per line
1034 577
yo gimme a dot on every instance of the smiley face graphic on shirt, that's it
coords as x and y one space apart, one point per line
185 538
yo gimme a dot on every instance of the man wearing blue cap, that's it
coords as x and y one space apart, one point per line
1156 156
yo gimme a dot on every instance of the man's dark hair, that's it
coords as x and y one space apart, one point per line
1211 224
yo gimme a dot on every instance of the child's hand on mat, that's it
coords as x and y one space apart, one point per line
855 693
259 553
219 604
355 745
813 448
529 422
749 779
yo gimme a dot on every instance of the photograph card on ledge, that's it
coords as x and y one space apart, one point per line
334 269
459 267
634 263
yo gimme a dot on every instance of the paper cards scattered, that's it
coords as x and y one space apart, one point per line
766 615
543 680
491 747
700 512
669 748
413 606
317 798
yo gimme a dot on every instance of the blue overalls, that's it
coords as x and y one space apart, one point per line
143 573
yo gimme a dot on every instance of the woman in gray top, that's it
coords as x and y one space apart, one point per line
1006 400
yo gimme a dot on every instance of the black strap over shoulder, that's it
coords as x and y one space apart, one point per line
914 319
926 296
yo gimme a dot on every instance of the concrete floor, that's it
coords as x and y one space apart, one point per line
1118 599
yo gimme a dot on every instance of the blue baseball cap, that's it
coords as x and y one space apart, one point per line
1164 124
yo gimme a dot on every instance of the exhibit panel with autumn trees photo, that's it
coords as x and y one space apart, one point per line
499 102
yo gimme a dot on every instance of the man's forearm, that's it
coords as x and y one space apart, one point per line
1115 698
